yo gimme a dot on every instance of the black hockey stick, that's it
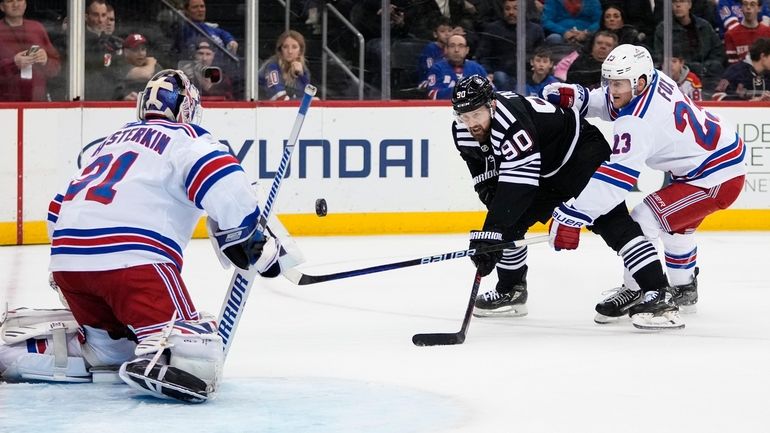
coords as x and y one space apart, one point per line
299 278
445 339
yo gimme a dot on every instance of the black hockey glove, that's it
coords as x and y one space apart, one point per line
246 253
486 262
486 190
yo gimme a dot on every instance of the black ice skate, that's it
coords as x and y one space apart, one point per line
163 381
656 311
496 304
686 295
616 305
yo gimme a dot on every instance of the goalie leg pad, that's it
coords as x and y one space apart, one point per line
39 345
182 362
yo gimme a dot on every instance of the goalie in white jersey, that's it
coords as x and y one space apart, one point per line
116 254
655 125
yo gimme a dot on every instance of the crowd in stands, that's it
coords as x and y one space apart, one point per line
721 48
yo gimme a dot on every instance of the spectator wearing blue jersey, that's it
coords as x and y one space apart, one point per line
570 21
195 10
434 51
731 14
285 74
443 76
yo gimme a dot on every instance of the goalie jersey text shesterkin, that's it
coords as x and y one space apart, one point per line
664 130
529 139
174 168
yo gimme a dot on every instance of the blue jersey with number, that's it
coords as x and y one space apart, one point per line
140 194
664 130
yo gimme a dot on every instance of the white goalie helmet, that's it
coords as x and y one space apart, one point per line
170 94
628 62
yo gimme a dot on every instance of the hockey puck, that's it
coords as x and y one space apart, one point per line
320 207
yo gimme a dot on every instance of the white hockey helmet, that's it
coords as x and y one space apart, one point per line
628 62
169 94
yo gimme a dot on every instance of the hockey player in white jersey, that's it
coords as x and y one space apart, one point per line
116 255
655 125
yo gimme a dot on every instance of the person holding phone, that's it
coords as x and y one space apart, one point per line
27 57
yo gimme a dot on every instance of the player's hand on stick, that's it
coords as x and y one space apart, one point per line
485 262
564 231
567 96
241 246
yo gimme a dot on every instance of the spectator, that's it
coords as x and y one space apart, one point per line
587 68
24 73
285 74
740 36
570 21
445 74
195 10
207 77
731 13
748 80
686 80
541 63
434 51
136 69
696 39
100 51
613 19
497 51
109 26
643 15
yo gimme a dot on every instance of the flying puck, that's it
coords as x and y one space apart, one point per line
320 207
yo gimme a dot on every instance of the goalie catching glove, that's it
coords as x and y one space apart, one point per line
564 231
567 96
244 247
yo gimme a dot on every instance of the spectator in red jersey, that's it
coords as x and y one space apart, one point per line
740 36
24 70
686 80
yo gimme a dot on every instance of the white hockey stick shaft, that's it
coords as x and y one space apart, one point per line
241 282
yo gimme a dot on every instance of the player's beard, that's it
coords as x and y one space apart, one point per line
479 134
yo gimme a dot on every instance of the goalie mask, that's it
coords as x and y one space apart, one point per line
169 95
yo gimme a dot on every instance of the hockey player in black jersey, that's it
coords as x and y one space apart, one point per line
526 157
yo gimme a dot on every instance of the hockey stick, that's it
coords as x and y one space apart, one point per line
445 339
297 277
241 282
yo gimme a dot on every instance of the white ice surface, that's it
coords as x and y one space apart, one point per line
337 356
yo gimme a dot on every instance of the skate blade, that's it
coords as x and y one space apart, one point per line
601 319
508 311
648 321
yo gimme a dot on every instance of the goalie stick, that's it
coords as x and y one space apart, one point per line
299 278
241 281
445 339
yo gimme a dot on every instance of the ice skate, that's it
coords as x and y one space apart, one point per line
656 311
512 303
615 306
686 295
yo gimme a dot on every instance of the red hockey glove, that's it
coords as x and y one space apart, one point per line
564 231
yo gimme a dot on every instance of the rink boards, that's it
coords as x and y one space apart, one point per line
382 167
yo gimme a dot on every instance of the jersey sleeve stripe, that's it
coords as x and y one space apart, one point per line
617 175
54 208
114 239
206 172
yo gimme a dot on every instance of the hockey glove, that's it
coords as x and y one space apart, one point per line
564 231
567 96
486 190
485 262
242 246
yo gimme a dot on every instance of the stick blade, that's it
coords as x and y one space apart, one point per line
438 339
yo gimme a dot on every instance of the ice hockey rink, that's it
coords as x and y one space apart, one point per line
337 357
